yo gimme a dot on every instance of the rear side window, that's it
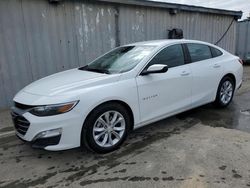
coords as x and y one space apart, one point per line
215 52
172 56
199 52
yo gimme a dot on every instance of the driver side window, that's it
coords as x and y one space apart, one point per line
172 56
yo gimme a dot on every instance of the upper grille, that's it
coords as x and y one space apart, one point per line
21 124
22 106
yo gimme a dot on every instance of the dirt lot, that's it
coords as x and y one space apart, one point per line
205 147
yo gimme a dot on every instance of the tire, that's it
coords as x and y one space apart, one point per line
225 92
99 134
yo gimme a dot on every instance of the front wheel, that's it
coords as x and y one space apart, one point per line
225 92
106 128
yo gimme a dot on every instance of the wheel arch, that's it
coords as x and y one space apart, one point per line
230 75
83 141
124 104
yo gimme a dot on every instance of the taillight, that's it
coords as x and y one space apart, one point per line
241 62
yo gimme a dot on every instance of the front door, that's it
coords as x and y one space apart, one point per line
163 94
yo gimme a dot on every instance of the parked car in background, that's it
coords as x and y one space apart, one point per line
131 86
247 60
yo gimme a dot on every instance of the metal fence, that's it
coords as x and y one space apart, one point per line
38 39
243 40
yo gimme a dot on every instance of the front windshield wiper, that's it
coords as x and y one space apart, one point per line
87 68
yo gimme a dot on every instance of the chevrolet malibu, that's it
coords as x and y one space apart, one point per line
131 86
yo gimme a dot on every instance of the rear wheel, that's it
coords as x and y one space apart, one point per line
225 92
106 128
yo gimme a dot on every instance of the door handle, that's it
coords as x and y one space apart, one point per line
216 65
185 73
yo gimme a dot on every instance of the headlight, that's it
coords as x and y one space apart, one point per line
51 110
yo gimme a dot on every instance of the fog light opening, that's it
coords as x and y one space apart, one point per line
48 133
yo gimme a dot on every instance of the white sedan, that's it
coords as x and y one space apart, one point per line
131 86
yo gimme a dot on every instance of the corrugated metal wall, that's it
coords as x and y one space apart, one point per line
38 39
140 23
243 40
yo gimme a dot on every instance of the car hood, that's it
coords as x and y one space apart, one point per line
68 81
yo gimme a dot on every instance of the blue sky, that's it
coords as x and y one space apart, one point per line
243 5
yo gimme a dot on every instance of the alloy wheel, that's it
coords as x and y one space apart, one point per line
226 92
109 128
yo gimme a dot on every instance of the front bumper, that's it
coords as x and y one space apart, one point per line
42 143
59 132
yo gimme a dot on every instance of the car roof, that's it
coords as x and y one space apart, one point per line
165 42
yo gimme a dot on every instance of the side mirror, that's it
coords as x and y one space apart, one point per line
156 68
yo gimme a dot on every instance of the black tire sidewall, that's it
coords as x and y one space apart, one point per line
87 133
218 101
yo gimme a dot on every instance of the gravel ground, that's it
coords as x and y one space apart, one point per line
204 147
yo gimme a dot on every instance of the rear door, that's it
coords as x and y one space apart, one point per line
206 71
163 94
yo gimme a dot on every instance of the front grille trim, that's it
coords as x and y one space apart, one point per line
22 127
22 121
21 130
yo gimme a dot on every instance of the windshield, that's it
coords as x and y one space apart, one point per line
119 60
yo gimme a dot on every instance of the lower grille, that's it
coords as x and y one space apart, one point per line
21 124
